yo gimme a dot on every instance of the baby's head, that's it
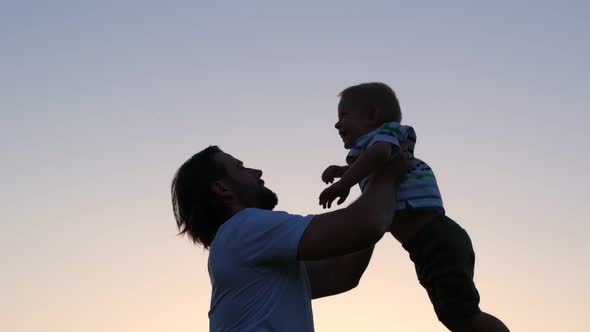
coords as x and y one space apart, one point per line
364 108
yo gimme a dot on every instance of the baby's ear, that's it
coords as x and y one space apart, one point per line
375 114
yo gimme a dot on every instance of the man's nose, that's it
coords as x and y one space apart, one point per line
257 173
337 125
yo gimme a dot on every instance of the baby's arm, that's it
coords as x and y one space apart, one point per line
375 157
369 161
332 172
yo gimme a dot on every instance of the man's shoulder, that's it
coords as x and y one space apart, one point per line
254 213
248 214
251 217
257 233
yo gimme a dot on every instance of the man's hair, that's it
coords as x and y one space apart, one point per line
375 95
199 211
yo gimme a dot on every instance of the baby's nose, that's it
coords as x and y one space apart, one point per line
258 173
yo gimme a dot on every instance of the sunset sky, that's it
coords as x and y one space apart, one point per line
101 101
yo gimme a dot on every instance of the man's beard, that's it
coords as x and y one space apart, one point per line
267 199
261 198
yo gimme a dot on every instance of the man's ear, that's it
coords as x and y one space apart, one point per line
221 189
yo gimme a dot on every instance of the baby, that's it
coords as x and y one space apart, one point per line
369 119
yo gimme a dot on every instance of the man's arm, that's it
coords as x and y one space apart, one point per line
361 224
337 275
341 274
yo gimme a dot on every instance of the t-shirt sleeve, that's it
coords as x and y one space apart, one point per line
393 134
386 133
271 236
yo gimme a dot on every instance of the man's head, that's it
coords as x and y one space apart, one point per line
363 108
211 187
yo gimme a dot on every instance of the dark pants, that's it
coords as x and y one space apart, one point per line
444 259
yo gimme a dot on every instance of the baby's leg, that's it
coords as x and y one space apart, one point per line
482 322
444 259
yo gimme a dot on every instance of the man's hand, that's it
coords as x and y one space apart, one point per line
402 162
332 172
329 194
397 166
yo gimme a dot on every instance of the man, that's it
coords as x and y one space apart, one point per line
266 266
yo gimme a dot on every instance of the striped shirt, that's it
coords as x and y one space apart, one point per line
418 189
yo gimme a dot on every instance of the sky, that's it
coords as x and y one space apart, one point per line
100 103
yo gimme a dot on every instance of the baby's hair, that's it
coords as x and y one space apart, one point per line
375 95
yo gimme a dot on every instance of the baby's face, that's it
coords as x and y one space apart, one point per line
353 122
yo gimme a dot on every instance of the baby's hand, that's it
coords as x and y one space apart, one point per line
332 192
331 173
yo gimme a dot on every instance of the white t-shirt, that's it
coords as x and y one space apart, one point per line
258 283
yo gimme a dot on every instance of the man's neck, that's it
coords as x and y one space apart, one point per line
235 207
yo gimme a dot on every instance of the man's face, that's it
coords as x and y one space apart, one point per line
246 183
353 122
